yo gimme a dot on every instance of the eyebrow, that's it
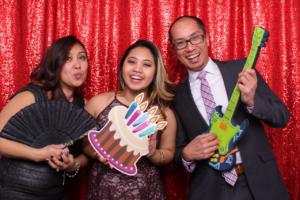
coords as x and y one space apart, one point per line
191 35
147 60
143 60
78 52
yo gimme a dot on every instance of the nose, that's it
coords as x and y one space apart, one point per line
190 46
137 68
77 64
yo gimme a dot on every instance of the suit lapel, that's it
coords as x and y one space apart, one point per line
190 103
228 77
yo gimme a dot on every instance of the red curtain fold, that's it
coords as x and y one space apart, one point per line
108 27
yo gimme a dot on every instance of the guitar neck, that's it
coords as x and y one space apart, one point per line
250 63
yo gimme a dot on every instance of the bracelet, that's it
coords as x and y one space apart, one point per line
71 176
76 172
163 157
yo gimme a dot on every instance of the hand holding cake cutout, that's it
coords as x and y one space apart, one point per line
123 140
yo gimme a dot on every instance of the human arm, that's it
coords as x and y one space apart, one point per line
267 106
95 106
17 150
201 147
166 148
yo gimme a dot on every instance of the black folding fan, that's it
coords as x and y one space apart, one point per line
49 122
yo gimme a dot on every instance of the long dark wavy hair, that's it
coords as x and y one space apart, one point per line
47 73
161 91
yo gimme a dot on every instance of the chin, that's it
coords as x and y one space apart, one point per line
196 68
137 89
78 85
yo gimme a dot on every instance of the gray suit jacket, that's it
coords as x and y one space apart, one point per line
261 170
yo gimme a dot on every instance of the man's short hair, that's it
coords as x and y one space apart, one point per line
198 20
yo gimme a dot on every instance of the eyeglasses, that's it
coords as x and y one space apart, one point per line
194 40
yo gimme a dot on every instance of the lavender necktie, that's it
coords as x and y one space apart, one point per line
210 104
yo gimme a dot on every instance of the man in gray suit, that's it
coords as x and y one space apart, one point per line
256 170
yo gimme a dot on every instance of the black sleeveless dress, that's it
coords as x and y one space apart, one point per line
110 184
29 180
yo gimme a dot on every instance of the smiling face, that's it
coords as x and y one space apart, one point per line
193 57
74 71
138 70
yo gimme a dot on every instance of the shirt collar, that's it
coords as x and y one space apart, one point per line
210 68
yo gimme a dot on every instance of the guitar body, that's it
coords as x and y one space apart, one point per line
229 133
228 139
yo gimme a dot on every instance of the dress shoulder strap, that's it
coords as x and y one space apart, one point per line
35 89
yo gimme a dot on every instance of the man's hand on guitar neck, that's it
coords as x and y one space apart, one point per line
247 83
200 148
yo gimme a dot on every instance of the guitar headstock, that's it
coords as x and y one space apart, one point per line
260 36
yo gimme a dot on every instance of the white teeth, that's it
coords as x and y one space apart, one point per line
193 56
136 77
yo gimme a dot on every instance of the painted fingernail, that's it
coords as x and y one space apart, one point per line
66 153
51 156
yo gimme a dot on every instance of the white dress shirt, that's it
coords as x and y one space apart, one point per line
217 86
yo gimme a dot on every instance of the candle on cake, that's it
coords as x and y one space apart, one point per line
117 140
151 130
137 113
138 99
146 124
145 116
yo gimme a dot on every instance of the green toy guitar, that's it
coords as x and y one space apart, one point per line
228 132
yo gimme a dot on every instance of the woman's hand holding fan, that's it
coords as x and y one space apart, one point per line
46 152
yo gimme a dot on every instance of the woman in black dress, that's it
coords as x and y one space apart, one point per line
29 173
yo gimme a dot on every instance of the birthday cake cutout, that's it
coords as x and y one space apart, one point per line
124 138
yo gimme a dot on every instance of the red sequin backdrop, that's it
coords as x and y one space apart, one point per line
108 27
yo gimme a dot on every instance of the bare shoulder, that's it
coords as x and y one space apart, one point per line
18 102
170 116
169 112
169 132
21 100
102 98
99 102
